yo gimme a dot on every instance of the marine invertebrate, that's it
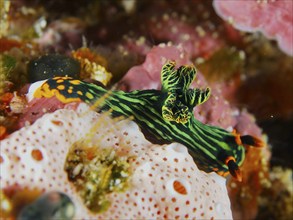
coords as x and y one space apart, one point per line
166 115
199 39
52 65
164 183
17 104
93 65
193 25
273 18
96 172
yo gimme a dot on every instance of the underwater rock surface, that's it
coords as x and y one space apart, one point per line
52 65
273 18
52 205
131 39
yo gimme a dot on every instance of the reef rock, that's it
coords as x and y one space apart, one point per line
273 18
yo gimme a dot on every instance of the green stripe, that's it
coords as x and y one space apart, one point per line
148 117
208 144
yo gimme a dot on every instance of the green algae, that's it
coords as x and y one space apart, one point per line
96 173
7 64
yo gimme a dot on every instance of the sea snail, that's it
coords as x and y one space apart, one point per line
165 115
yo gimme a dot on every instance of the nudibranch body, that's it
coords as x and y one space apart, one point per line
166 115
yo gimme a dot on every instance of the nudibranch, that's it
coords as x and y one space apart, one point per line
166 115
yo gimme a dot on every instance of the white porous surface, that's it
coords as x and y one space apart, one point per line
165 183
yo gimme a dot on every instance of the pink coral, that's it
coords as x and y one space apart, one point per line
147 75
198 41
273 18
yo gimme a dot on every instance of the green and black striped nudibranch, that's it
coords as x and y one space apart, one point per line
166 115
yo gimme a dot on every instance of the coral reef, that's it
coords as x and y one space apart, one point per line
92 65
164 182
273 18
217 111
122 45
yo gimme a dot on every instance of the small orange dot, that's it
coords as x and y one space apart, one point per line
56 122
179 187
37 155
1 159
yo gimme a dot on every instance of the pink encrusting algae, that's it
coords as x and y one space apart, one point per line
274 18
